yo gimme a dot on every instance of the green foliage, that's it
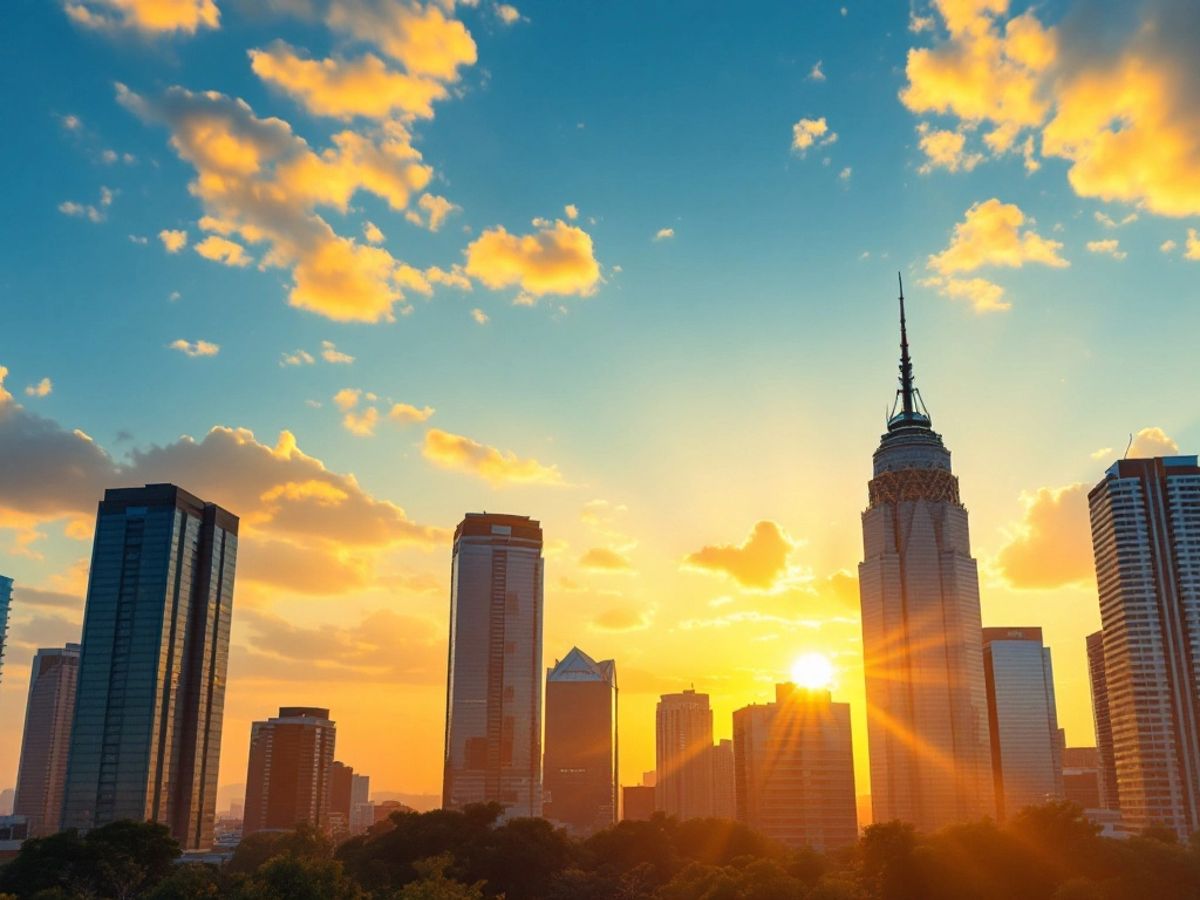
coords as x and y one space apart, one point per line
289 877
434 885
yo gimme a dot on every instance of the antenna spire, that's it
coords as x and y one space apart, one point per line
906 369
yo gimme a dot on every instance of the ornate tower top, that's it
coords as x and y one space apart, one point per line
909 409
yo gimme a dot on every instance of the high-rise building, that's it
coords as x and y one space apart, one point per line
683 752
1103 721
341 787
637 802
794 769
1023 715
724 790
1081 777
289 776
927 726
5 602
494 685
580 770
146 739
48 715
1145 517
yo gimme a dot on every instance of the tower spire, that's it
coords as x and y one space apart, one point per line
906 372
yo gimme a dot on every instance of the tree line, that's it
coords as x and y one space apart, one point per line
1048 852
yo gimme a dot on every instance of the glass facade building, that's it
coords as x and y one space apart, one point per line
146 739
794 769
927 720
1102 720
493 740
581 743
47 738
683 753
5 602
290 774
1023 717
1145 517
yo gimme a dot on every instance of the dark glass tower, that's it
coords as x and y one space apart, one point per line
147 734
494 684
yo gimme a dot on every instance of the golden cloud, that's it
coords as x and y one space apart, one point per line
761 561
808 132
990 235
422 38
499 467
946 150
148 16
195 348
1052 545
1109 247
344 89
361 424
42 388
605 560
623 618
223 250
1192 247
406 412
1153 441
983 295
173 240
558 259
436 210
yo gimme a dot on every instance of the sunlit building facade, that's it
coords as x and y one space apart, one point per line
927 725
146 739
289 778
493 746
1023 718
1145 517
724 791
1102 721
794 769
683 753
580 767
49 712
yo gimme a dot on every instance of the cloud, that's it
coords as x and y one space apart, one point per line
1168 246
223 250
623 618
605 560
92 212
845 174
480 317
361 424
1151 442
507 13
151 17
41 389
372 233
422 38
499 467
811 132
983 295
1192 247
436 210
558 259
173 240
815 74
347 398
664 234
346 89
1051 545
990 235
407 413
195 348
262 183
761 561
572 211
331 354
945 149
1110 247
1109 222
1117 96
298 358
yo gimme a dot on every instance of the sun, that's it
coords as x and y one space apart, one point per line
813 671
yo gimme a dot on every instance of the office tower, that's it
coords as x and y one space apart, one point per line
360 788
794 769
637 802
5 602
1081 777
580 771
927 727
724 792
1100 715
49 711
1023 719
1145 517
341 786
683 750
288 779
493 749
146 739
362 812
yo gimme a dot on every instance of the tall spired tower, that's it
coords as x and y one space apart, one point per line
922 645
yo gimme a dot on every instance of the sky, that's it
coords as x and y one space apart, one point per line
352 268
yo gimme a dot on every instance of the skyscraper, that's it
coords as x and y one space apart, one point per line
927 726
289 775
794 769
494 684
1026 758
146 739
581 743
683 751
1145 517
5 601
1081 777
47 738
1100 715
724 790
341 789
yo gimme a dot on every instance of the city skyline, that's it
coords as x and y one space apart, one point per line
689 419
